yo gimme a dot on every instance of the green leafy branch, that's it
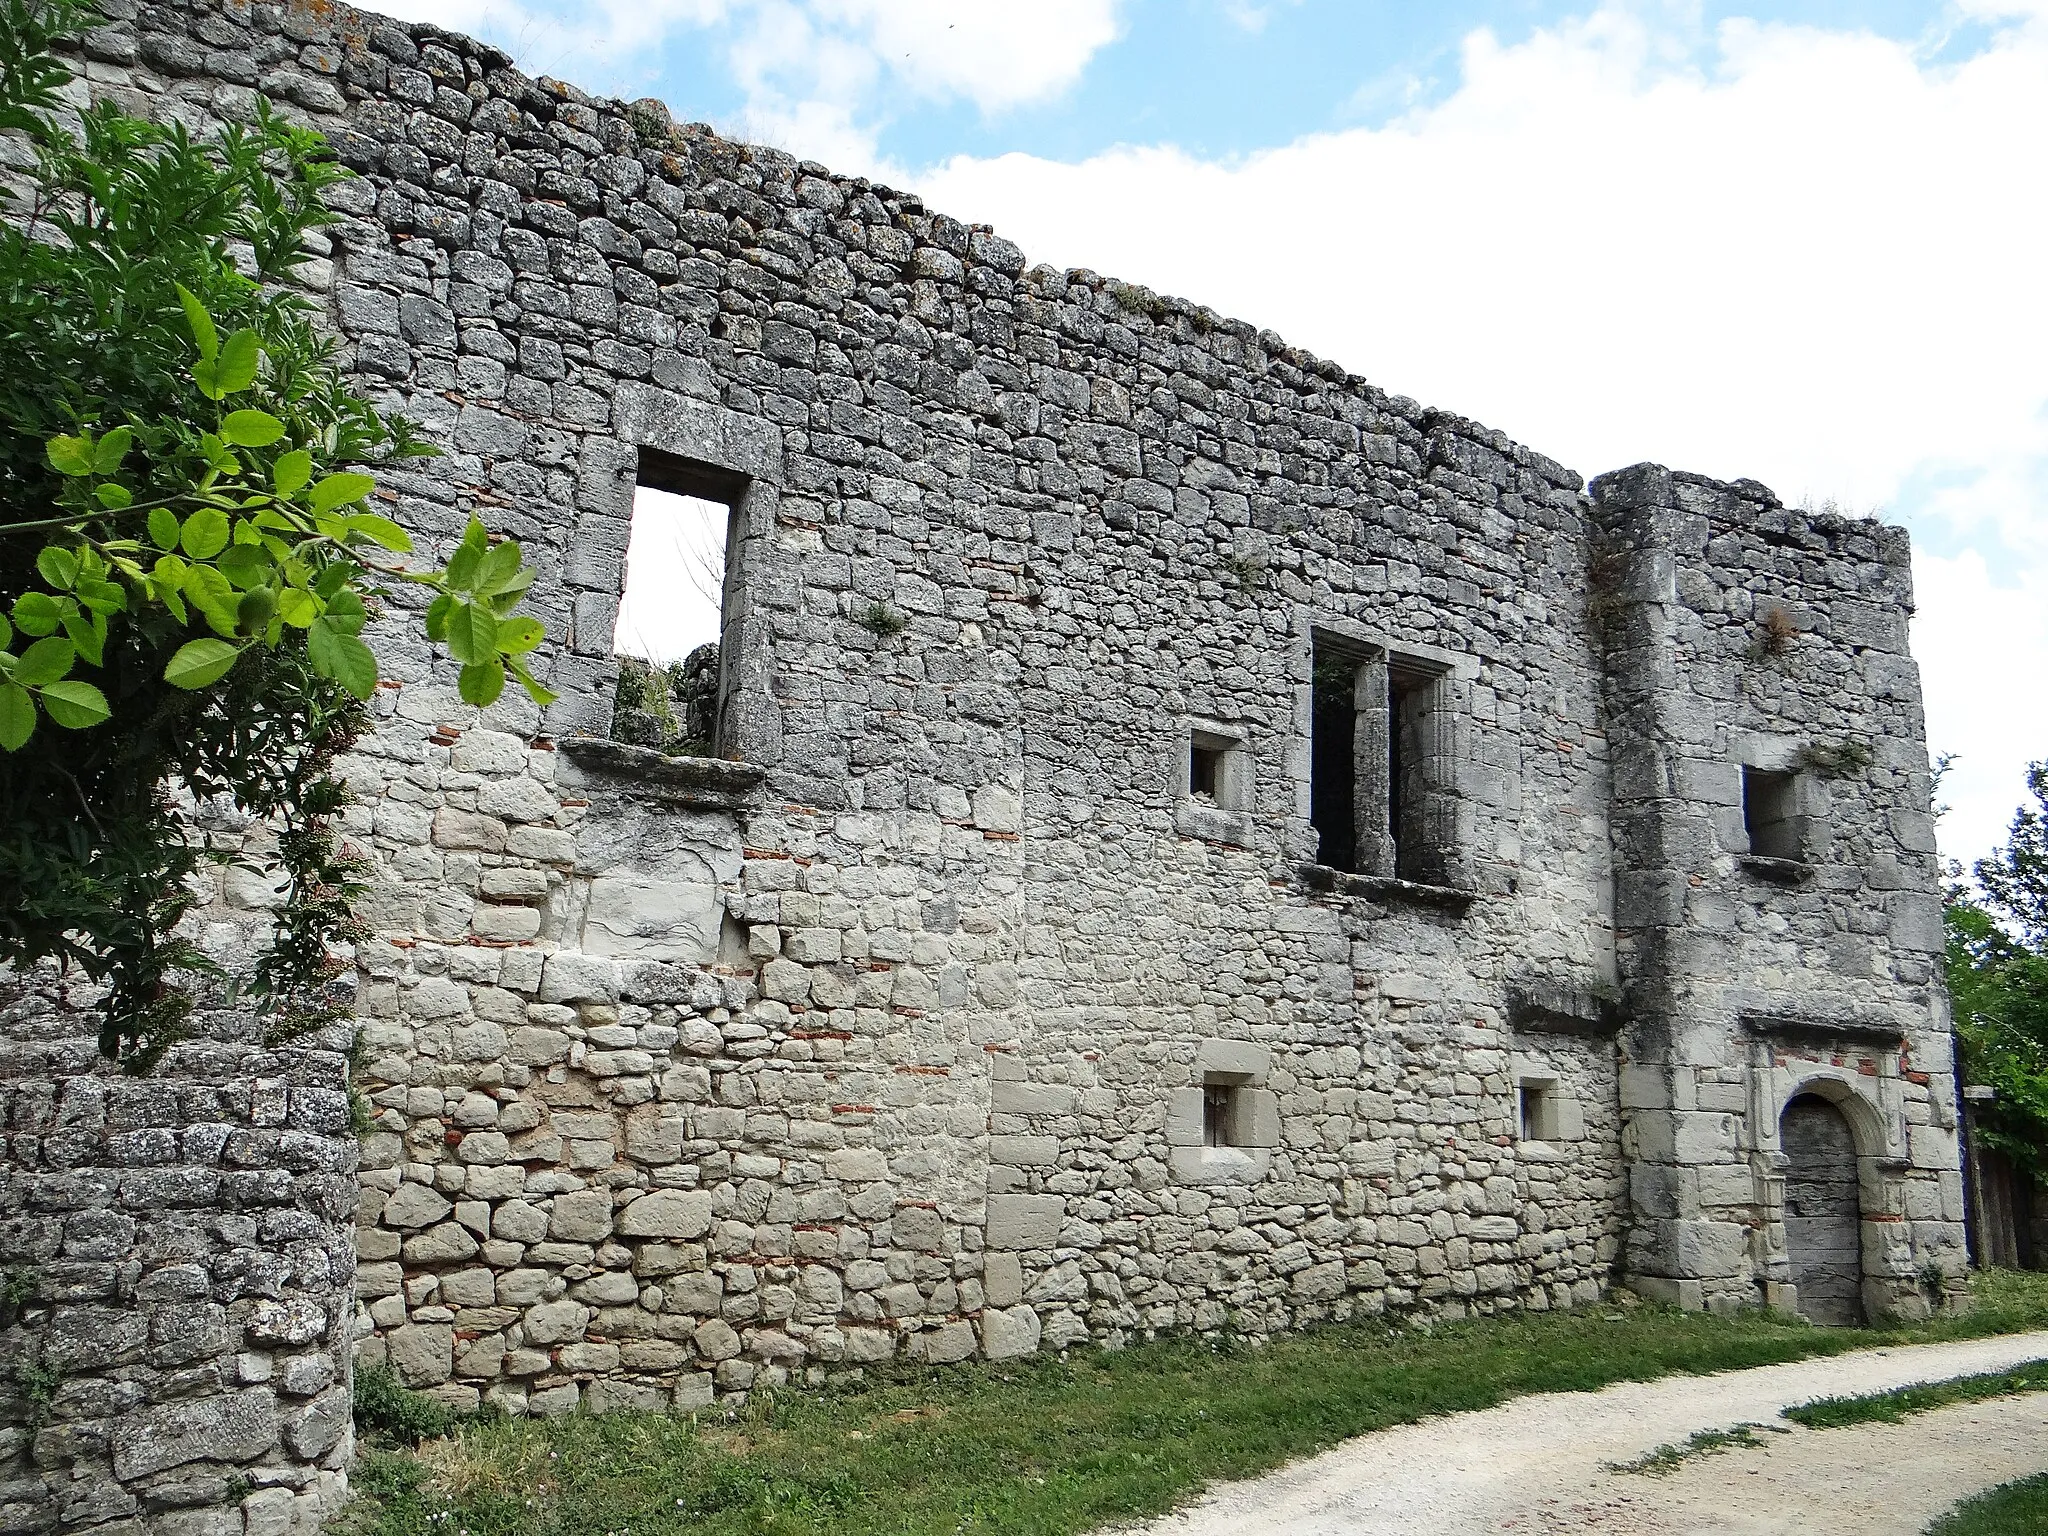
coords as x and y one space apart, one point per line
262 545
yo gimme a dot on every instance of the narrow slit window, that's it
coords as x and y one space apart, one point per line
671 626
1538 1111
1205 771
1219 1114
1770 814
1333 756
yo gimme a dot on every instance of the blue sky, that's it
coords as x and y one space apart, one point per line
1803 240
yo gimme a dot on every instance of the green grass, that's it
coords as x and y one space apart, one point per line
1903 1402
1667 1459
1048 1447
2017 1509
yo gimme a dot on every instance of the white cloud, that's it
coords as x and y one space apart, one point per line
1251 14
1807 257
994 53
1981 645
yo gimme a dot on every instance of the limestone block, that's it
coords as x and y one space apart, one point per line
946 1344
422 1353
716 1340
518 799
918 1227
1024 1221
504 924
582 1216
231 1427
636 918
1009 1333
466 829
998 808
1017 1098
669 1213
1024 1151
414 1205
555 1322
1233 1058
571 976
853 1165
1002 1279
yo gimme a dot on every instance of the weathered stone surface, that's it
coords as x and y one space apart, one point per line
670 1213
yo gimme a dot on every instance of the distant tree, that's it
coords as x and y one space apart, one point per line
1998 979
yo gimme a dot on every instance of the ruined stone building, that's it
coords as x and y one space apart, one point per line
1190 839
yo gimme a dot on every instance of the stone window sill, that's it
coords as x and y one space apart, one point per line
706 783
1202 818
1325 881
1219 1165
1776 871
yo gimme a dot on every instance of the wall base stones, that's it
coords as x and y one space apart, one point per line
178 1269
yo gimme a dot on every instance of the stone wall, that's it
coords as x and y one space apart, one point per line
1749 639
944 1014
177 1261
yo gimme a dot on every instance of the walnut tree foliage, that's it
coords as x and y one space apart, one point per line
188 547
1998 978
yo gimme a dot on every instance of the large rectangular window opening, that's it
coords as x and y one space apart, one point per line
1383 763
671 637
1770 814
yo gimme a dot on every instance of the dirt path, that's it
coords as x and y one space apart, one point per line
1538 1466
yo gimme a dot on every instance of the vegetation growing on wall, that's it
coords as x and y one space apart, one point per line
1998 977
188 550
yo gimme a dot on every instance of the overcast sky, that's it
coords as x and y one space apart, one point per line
1801 241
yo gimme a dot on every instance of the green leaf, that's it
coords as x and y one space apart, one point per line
345 611
472 634
205 533
481 685
238 357
69 455
201 322
44 662
38 613
213 597
163 528
6 633
251 429
75 705
111 450
342 657
437 617
338 490
206 374
462 565
88 631
539 692
17 716
101 596
246 565
291 471
113 497
380 530
297 607
59 567
497 569
201 663
520 634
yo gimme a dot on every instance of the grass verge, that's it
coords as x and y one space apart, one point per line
1051 1447
1667 1459
2016 1509
1903 1402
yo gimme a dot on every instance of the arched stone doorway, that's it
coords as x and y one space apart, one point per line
1823 1211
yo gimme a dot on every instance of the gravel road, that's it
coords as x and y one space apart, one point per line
1540 1466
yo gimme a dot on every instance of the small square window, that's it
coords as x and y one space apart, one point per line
1219 1114
1538 1111
1218 768
1205 770
1770 814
